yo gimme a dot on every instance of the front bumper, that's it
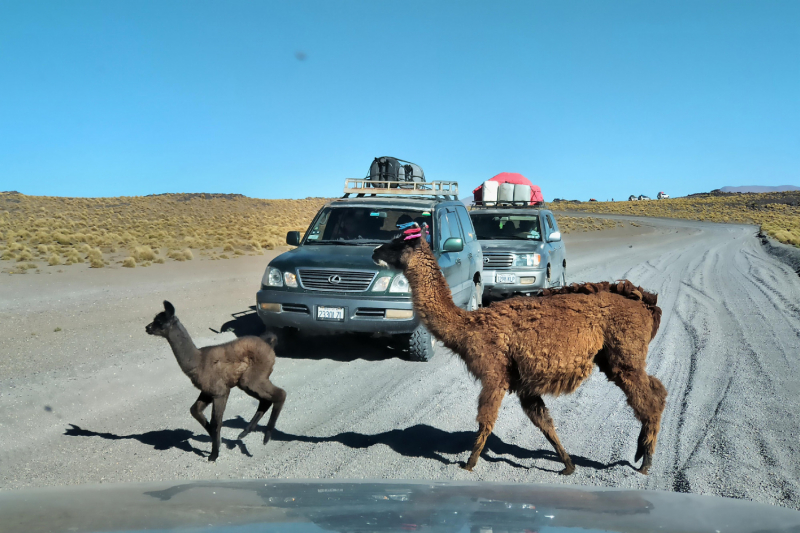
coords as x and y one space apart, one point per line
534 283
362 313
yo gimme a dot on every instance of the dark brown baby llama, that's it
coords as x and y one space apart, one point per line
245 363
538 346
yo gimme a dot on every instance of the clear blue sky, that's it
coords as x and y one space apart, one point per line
588 99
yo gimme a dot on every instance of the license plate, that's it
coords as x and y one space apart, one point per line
506 278
330 313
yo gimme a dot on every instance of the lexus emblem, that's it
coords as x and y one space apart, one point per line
334 279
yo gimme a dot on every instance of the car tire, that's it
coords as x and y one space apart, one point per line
476 298
421 344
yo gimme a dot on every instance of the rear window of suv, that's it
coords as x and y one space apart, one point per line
361 225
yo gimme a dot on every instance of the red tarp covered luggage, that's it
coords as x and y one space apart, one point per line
511 177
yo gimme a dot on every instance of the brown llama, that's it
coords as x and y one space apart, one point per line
537 346
245 363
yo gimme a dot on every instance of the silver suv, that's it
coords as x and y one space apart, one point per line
523 253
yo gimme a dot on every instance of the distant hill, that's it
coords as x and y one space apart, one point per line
760 188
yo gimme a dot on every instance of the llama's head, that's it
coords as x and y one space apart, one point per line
395 254
162 322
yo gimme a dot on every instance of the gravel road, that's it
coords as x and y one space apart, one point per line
100 401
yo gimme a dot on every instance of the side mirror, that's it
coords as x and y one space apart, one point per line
555 236
293 238
453 244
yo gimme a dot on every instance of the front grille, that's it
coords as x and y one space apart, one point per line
370 312
295 308
497 260
336 280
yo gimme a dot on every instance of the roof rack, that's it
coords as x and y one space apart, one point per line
506 204
363 187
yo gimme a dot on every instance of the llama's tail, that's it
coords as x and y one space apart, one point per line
649 299
270 338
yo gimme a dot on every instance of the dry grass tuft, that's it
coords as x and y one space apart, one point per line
574 224
74 229
777 213
129 262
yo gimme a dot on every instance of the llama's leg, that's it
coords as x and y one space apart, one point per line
198 407
537 411
278 397
216 424
488 407
268 395
647 397
263 407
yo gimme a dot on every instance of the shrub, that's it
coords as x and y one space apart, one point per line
129 262
25 255
53 260
143 253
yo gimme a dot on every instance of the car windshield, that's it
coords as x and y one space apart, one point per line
494 226
362 225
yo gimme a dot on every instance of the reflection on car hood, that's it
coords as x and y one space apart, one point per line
269 505
513 245
331 256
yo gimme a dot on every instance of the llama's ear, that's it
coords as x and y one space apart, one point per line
169 309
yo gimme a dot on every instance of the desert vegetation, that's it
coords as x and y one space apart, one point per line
575 224
778 213
38 231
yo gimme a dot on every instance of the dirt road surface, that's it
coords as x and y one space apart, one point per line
100 401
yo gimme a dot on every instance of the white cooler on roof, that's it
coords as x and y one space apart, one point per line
505 193
490 192
522 193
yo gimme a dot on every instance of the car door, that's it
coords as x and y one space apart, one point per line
557 253
471 246
449 262
462 293
552 258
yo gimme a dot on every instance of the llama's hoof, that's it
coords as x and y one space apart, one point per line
267 436
646 464
466 467
569 469
213 456
243 434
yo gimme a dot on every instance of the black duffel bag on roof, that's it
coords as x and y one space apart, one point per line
392 169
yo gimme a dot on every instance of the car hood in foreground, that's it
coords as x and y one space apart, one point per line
269 505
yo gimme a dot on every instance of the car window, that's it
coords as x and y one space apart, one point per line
514 227
466 225
547 227
443 227
361 225
551 223
455 228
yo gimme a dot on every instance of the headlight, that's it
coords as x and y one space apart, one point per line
272 278
381 284
290 279
400 284
527 260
